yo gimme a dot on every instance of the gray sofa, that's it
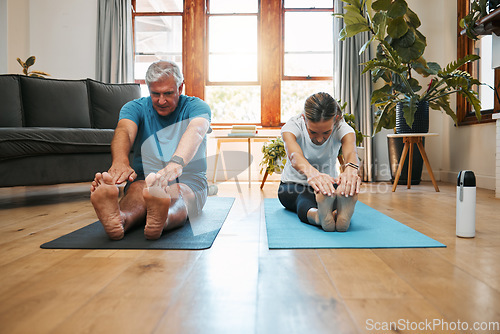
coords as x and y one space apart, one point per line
57 131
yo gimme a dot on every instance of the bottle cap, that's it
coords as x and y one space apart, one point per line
466 178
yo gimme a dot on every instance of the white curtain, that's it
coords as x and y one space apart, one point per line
350 86
114 41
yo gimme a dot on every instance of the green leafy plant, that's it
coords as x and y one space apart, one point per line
399 60
350 119
274 156
27 64
478 10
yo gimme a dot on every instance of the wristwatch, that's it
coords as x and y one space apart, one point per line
178 160
350 164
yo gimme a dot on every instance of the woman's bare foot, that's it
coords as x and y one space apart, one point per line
157 205
345 207
104 198
312 217
325 211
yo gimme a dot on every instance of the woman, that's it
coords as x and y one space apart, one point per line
310 184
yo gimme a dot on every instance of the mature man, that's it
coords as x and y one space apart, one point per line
167 132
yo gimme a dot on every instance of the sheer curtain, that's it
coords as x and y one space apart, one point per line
114 62
350 86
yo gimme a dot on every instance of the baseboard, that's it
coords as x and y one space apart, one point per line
482 181
426 176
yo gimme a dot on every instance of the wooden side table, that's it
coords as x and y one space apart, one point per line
242 138
409 139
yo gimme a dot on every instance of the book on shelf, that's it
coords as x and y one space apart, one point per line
244 127
243 130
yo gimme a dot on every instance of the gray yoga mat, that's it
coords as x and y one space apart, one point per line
198 233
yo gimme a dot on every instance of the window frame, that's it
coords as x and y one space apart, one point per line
465 46
207 53
299 10
152 14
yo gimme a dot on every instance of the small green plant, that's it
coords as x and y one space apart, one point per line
274 156
477 12
27 64
350 119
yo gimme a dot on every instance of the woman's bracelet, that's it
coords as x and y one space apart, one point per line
350 164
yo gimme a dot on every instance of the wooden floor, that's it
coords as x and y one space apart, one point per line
239 285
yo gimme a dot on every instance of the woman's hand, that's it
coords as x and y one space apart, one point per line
322 183
169 173
349 182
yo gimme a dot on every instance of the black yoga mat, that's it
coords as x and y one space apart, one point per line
198 233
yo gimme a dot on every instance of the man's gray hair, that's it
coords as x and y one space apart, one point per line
162 69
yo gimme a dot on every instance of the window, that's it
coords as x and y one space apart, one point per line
307 53
157 34
481 70
252 61
232 81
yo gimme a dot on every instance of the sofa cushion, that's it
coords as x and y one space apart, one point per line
11 112
23 142
106 101
55 103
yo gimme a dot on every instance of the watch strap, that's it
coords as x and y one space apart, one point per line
178 160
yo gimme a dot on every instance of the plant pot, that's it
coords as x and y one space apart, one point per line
395 146
279 166
420 120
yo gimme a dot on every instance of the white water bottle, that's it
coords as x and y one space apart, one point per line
466 204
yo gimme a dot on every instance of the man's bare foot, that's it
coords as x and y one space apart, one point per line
104 198
325 211
157 205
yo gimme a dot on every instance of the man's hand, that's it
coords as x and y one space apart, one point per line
121 172
349 182
323 183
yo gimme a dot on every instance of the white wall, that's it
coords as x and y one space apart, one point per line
60 33
63 37
3 36
17 33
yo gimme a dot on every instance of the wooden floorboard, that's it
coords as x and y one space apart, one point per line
239 285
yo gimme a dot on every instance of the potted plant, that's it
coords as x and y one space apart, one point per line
399 62
350 120
27 64
274 156
401 103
